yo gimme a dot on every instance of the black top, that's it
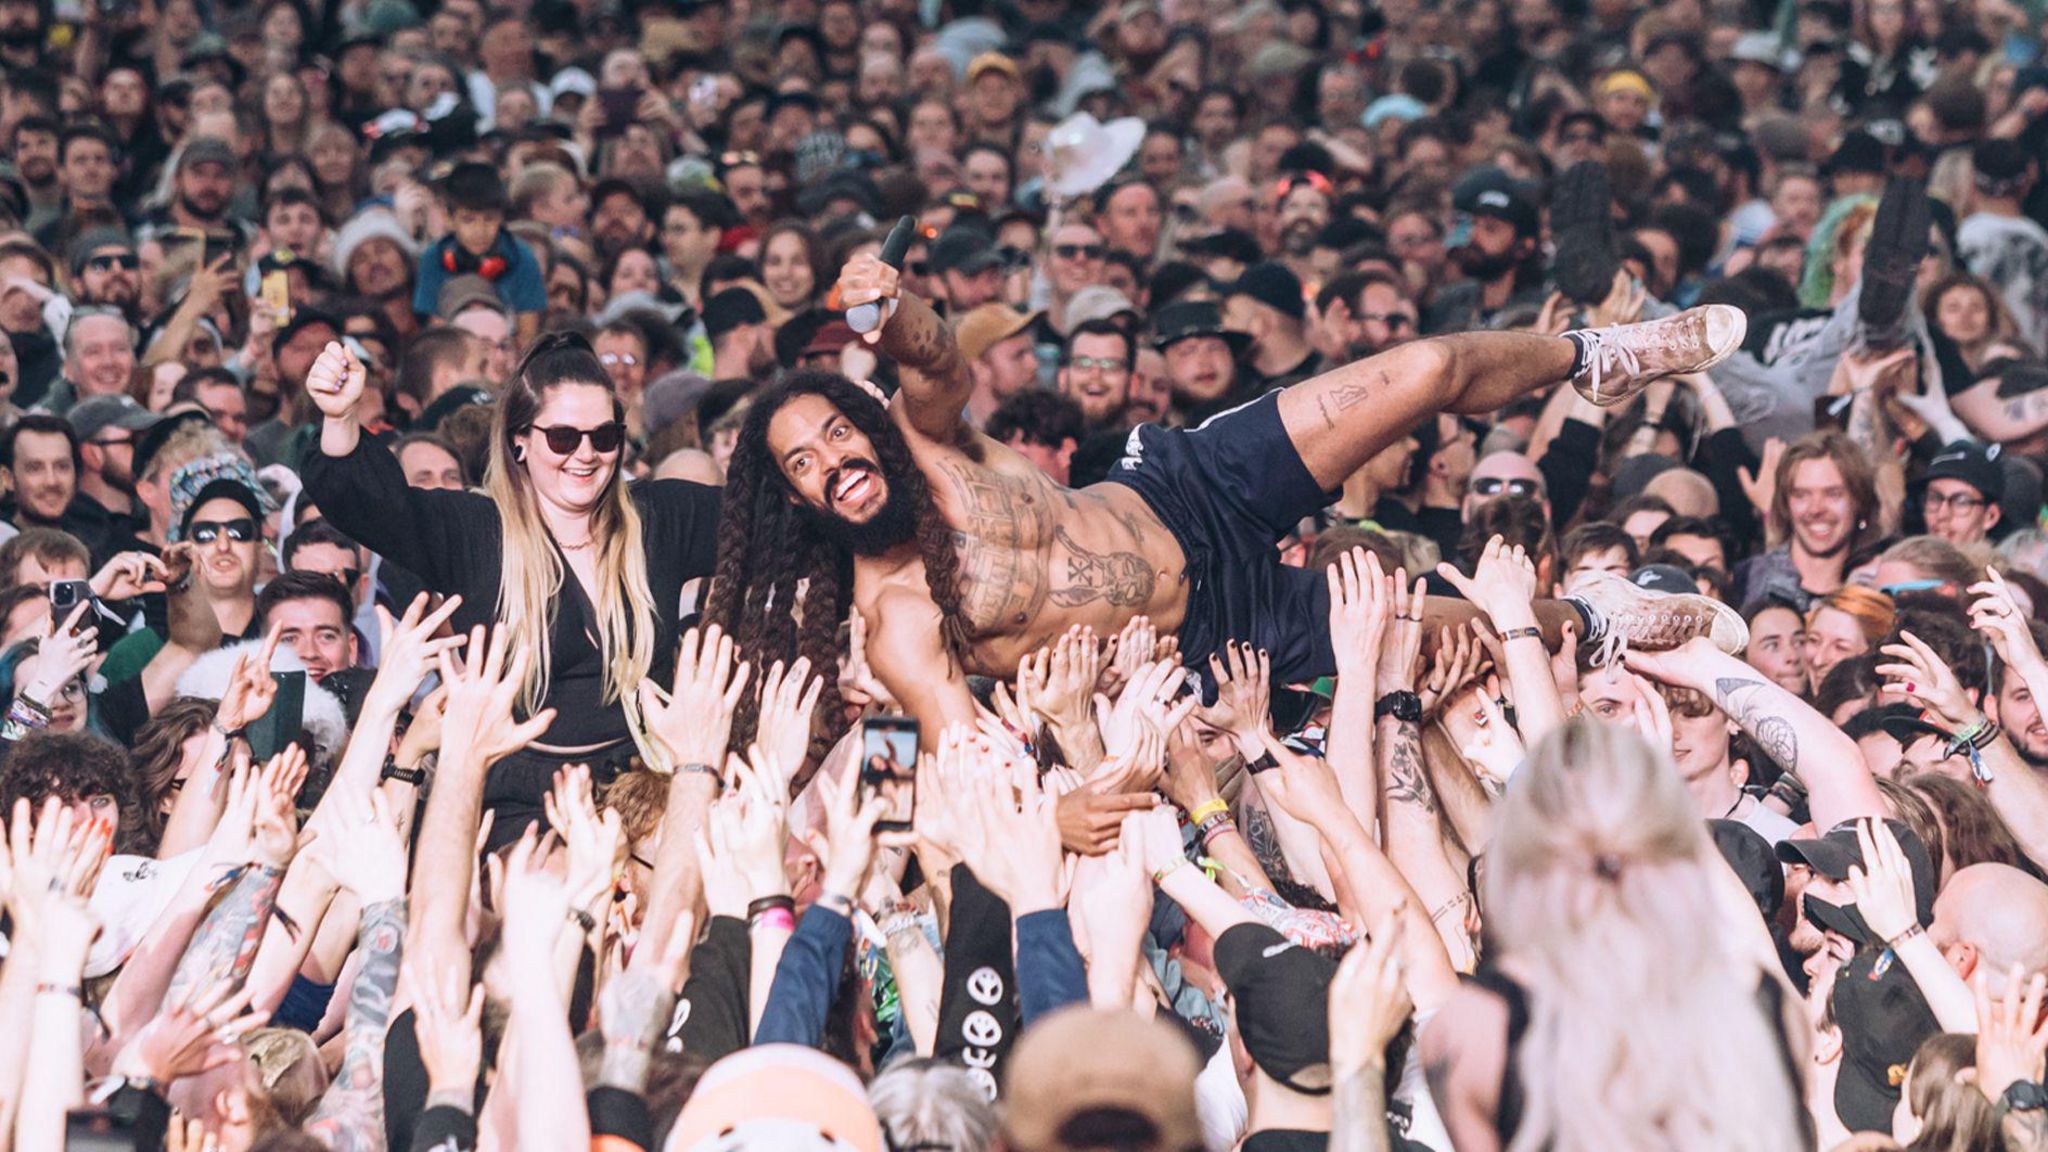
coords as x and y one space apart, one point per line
454 542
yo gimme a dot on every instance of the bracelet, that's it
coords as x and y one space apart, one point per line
1206 809
834 902
34 705
781 918
1402 705
1530 633
229 734
1159 875
1216 826
766 903
46 988
391 771
1901 938
1265 763
583 919
696 768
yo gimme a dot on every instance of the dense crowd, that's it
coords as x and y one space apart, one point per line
1461 577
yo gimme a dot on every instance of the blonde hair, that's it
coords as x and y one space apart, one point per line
1645 1027
531 572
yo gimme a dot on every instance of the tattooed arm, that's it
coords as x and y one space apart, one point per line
1994 419
225 945
1788 729
1414 836
351 1115
935 381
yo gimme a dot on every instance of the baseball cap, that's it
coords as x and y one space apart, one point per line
964 250
1859 151
204 149
1081 1060
91 417
458 397
983 328
1282 992
1884 1018
83 248
1097 302
1749 855
158 434
1974 464
1274 286
1507 204
462 293
1228 243
1663 578
781 1096
731 308
991 62
830 339
1185 319
1758 48
1834 854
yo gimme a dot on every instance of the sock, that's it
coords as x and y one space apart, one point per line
1582 351
1585 618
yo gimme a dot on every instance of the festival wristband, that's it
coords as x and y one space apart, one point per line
1529 633
1206 809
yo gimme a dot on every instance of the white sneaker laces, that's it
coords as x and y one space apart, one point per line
1606 355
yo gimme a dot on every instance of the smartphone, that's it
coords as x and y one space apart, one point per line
619 105
275 291
96 1130
888 768
278 727
66 595
219 244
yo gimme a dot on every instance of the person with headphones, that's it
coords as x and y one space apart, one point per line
478 245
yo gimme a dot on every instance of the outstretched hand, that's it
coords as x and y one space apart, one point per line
692 723
483 692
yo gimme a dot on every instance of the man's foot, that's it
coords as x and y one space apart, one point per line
1891 261
1622 361
1621 616
1582 219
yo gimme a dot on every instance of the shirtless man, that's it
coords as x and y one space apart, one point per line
966 558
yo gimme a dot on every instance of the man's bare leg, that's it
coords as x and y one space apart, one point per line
1450 612
1345 416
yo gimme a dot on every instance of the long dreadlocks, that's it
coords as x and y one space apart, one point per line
771 552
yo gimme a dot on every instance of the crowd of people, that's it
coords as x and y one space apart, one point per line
1458 577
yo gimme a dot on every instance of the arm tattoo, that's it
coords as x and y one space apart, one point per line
225 945
1750 704
1866 424
351 1115
1407 783
1342 397
1258 831
1123 579
1360 1120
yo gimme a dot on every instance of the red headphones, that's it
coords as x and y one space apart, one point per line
459 260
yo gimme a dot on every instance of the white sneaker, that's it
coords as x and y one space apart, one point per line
1623 360
1621 616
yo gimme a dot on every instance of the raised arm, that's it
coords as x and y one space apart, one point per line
351 1113
934 380
1801 740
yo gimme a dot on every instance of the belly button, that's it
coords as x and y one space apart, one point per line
1019 618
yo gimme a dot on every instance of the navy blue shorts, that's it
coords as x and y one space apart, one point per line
1229 491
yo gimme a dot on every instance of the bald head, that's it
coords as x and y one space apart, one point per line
1503 473
1688 492
1990 917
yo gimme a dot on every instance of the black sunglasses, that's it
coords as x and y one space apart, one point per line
564 440
1077 251
1492 486
241 530
123 260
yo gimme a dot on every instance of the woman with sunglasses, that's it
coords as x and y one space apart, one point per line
583 568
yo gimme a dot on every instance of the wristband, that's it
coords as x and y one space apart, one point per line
781 918
46 988
1402 705
1530 633
766 903
229 734
700 769
1216 826
391 771
834 902
1206 809
1265 763
1901 938
583 919
33 705
1159 875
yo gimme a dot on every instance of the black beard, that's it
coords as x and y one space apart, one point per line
892 526
1485 265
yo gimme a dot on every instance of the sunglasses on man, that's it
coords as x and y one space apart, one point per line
125 261
1495 485
240 531
563 440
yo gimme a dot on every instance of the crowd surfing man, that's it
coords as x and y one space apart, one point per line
1249 653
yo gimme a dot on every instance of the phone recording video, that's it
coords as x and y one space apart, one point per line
888 769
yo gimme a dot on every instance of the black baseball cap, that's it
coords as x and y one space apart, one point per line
1834 854
1282 992
154 438
1274 286
964 250
1229 244
1186 319
1974 464
1749 854
1884 1018
1507 204
1664 578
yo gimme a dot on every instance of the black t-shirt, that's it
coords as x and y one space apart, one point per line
1286 1140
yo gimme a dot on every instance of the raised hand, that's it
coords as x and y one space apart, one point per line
1761 486
448 1016
1651 715
1926 680
274 827
535 902
1147 699
1997 615
250 689
375 855
1112 898
1361 605
1368 1002
62 656
1061 678
336 382
867 280
1401 650
1244 694
1131 650
483 692
1502 584
409 647
128 575
692 723
195 1035
1883 885
1459 659
858 684
2011 1035
596 843
788 701
849 834
1019 842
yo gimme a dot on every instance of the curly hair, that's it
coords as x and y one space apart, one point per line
73 766
772 559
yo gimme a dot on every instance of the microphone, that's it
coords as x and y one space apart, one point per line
866 318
